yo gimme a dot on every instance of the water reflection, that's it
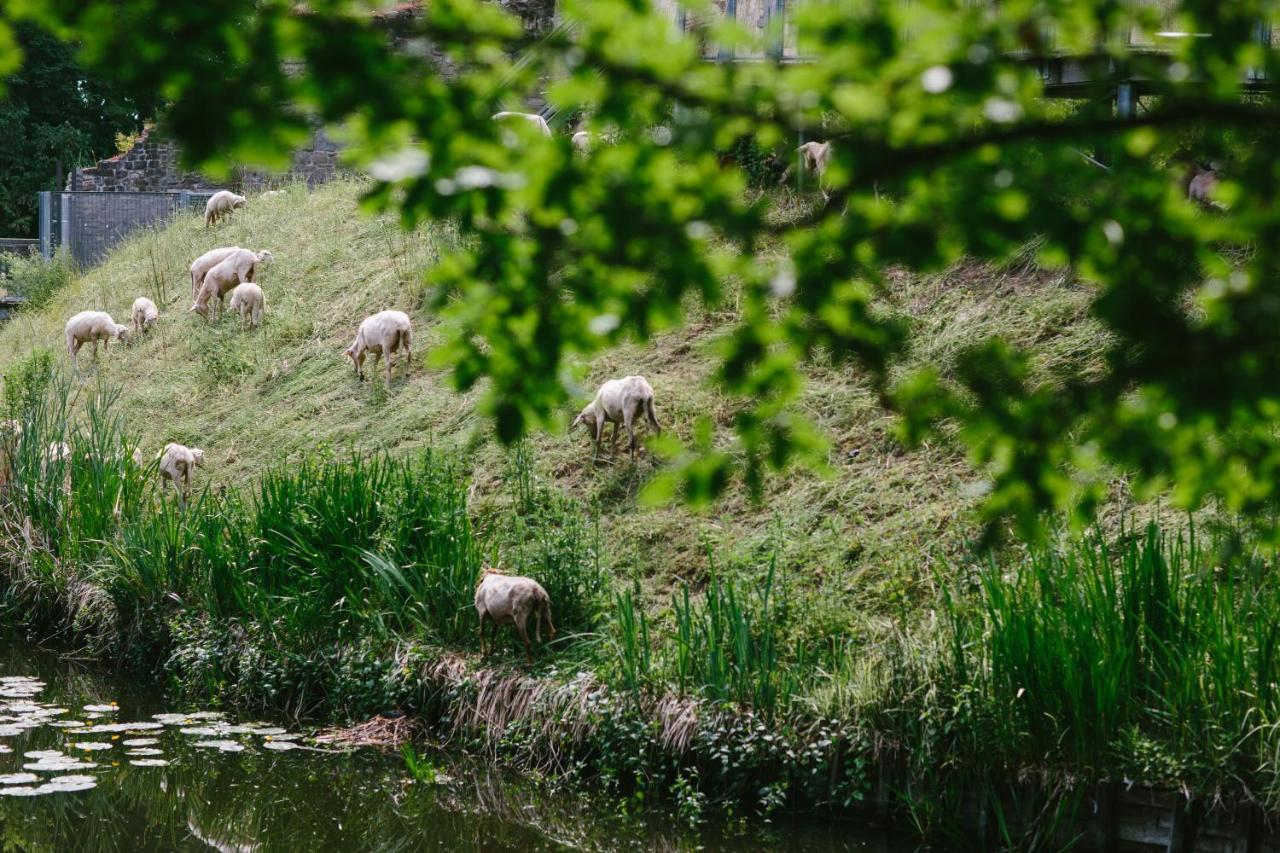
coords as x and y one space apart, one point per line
107 767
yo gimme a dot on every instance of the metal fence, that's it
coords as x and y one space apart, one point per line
89 224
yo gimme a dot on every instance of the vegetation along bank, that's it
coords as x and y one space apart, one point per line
834 644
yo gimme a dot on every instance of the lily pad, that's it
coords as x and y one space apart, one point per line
270 731
54 765
19 791
140 741
18 778
148 762
221 745
146 751
102 709
67 724
281 745
91 746
46 753
65 785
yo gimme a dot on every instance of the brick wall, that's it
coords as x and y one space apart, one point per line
152 165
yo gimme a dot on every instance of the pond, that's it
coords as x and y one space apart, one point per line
88 762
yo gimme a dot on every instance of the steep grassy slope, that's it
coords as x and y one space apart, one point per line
260 398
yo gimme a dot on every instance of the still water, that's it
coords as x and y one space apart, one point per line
88 762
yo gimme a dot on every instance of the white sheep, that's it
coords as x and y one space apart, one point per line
505 600
582 141
143 315
210 259
220 205
92 326
1204 184
237 268
249 301
177 463
815 156
622 401
381 334
532 118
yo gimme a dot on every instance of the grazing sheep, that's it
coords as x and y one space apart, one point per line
619 401
220 205
177 463
248 300
815 156
201 265
582 141
533 118
144 315
92 326
505 600
237 268
381 334
1204 184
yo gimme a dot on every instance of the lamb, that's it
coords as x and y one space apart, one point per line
220 205
533 118
506 600
237 268
619 401
815 156
144 315
382 334
210 259
1204 184
249 301
177 463
92 326
582 142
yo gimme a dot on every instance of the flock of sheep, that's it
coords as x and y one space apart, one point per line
499 599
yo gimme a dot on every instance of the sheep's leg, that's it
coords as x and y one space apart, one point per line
482 617
523 630
628 418
613 441
389 368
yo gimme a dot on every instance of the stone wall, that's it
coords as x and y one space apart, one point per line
152 165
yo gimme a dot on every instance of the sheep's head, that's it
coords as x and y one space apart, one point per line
201 309
586 416
486 571
238 201
120 333
197 456
265 256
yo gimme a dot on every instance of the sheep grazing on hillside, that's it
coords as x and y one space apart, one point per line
815 156
381 334
220 205
237 268
201 265
143 315
532 118
622 401
177 463
582 141
92 326
249 301
506 600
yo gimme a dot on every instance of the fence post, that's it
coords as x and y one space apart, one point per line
64 222
46 225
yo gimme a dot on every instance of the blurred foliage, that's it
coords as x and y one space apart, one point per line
938 101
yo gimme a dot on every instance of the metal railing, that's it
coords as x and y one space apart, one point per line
89 224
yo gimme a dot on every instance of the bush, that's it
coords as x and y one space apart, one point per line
38 280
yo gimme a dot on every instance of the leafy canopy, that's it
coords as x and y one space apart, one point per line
943 147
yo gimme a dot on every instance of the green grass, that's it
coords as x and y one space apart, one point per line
339 526
862 533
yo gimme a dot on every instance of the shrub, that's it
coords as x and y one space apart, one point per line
39 280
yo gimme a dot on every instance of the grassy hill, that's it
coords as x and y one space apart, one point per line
261 398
